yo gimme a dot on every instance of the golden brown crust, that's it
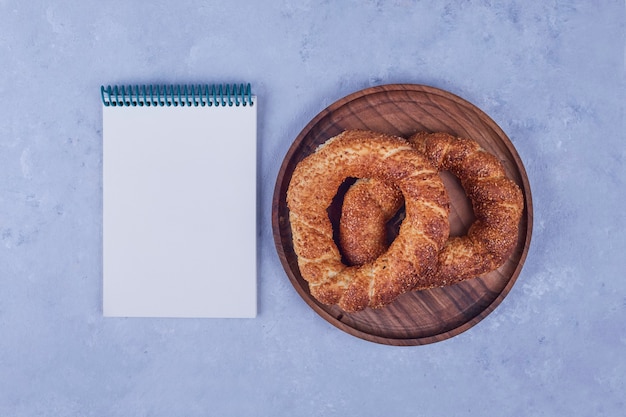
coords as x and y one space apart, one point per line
368 206
413 254
496 200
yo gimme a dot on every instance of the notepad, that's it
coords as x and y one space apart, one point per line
179 201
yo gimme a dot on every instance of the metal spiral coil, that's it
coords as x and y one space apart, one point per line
177 95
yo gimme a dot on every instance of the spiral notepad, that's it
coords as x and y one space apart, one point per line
179 201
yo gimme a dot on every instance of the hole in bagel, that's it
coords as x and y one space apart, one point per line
461 211
334 212
392 227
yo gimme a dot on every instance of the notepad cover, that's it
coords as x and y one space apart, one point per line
179 211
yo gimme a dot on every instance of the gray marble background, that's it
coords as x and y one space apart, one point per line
550 73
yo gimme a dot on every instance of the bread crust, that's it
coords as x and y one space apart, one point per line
413 254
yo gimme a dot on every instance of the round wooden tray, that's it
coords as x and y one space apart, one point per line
420 317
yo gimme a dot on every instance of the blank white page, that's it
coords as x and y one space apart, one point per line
179 211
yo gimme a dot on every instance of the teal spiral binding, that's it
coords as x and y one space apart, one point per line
220 95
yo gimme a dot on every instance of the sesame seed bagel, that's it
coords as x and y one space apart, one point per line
411 256
496 200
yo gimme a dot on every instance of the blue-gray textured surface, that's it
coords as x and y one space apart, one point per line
550 73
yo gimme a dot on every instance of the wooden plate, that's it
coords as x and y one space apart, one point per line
401 109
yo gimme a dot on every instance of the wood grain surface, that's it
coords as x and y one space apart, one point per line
419 317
